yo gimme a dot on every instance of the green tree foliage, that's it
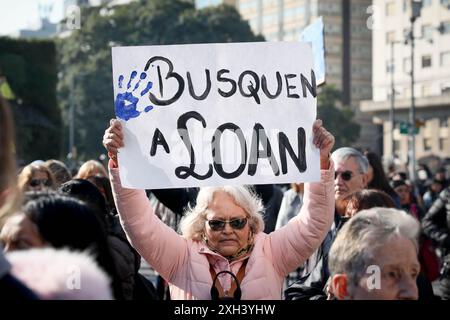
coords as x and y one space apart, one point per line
85 56
30 69
338 120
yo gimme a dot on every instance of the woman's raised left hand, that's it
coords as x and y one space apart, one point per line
323 140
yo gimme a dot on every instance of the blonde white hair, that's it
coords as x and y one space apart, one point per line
192 226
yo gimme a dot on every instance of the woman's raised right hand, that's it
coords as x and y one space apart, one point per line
113 138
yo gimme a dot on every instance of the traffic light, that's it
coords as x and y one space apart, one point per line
419 123
407 128
404 127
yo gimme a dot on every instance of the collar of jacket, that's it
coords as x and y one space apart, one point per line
204 249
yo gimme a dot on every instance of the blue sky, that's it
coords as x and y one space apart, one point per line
24 14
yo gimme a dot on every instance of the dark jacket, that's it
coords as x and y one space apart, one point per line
271 196
128 261
436 223
312 286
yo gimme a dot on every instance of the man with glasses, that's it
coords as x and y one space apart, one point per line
351 168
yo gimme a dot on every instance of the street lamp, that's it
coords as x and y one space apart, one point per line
71 125
392 109
416 6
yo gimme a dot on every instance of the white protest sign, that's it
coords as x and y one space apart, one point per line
215 114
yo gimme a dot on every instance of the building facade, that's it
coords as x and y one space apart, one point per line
199 4
348 53
392 69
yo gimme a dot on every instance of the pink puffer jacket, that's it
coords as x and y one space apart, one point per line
185 263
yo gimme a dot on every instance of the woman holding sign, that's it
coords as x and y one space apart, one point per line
223 252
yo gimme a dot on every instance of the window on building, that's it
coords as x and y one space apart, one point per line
361 70
426 3
334 48
405 5
443 143
406 32
356 30
445 58
329 8
444 27
358 9
407 92
269 20
390 36
333 29
295 13
427 145
361 48
334 69
445 87
426 61
390 8
443 122
445 2
426 90
427 32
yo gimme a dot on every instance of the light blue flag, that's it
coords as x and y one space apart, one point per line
314 34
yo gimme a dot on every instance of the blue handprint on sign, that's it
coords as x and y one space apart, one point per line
126 103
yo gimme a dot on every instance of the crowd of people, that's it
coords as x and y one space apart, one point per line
358 233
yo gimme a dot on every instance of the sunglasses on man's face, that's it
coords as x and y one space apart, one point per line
40 182
346 175
219 225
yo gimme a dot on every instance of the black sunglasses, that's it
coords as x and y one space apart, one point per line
346 175
40 182
219 225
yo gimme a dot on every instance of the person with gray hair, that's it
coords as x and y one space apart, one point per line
374 257
192 224
350 176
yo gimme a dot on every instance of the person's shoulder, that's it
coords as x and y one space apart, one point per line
259 239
